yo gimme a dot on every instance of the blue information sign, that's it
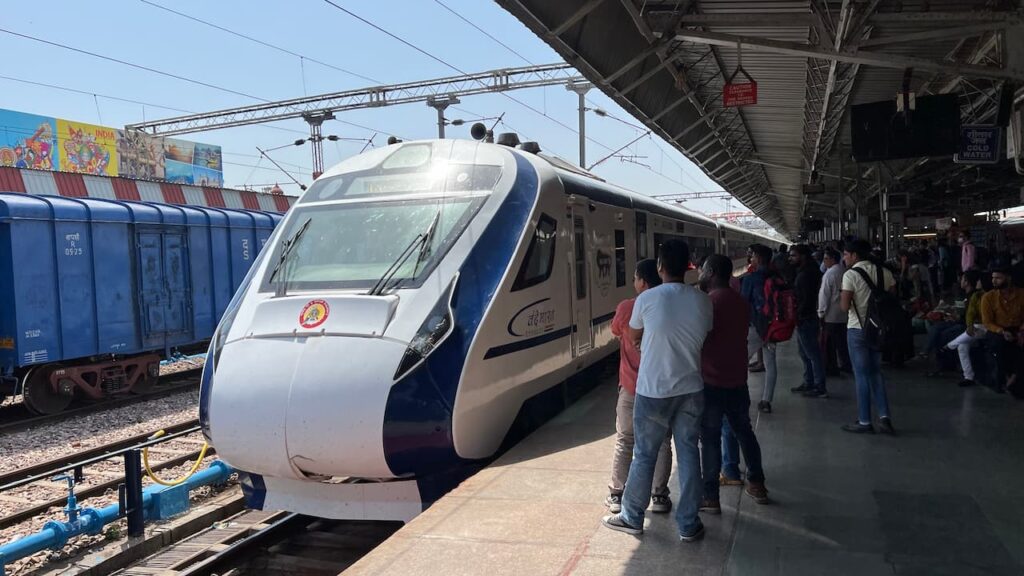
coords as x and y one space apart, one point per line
979 145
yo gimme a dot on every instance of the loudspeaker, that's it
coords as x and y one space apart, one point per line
478 131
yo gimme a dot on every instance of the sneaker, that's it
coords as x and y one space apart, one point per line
711 506
758 492
661 504
693 535
755 368
614 503
724 480
815 393
966 383
886 426
858 428
800 389
764 407
615 522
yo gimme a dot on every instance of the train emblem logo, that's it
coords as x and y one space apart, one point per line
314 313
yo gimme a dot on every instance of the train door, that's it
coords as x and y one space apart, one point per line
582 334
163 285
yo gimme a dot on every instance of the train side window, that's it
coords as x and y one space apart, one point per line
540 255
620 258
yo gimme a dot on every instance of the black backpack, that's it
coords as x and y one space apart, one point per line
885 321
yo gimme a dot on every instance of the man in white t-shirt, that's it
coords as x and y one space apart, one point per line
867 363
670 322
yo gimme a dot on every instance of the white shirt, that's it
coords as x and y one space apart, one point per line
854 282
828 295
676 319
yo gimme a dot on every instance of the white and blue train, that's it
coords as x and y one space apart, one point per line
414 303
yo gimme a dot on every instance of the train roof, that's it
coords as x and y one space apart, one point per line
619 196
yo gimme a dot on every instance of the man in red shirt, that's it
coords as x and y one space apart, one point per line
723 366
646 276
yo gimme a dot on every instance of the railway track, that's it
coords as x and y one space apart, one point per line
15 417
268 543
78 464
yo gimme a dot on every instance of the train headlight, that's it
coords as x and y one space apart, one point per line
434 329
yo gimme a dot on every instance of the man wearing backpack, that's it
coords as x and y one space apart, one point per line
805 290
865 285
752 290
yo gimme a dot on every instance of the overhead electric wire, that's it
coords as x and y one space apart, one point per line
457 69
155 71
587 100
128 100
460 71
261 42
482 31
132 64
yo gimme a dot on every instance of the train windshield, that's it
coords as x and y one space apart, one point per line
360 222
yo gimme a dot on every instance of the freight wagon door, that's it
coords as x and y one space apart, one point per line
163 286
176 279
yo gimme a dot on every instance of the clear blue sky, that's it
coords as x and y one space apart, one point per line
140 33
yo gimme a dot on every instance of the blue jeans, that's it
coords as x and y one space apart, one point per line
653 418
730 452
807 332
732 404
754 343
867 371
940 333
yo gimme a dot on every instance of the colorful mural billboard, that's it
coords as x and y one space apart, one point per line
140 155
86 148
28 141
43 143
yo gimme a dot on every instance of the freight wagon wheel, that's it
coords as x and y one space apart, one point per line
39 396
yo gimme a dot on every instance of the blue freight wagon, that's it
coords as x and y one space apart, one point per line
94 292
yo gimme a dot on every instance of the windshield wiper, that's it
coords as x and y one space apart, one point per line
428 241
378 288
424 240
424 252
289 245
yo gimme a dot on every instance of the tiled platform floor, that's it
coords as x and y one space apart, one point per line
946 496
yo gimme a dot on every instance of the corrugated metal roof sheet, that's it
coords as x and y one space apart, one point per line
762 153
10 180
99 187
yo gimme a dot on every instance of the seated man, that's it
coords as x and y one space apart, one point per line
1002 313
974 288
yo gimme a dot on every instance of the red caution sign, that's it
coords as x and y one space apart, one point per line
740 94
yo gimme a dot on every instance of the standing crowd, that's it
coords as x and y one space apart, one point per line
686 352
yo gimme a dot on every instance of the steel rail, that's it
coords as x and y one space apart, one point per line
45 470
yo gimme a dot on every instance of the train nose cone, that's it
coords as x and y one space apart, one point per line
304 392
294 409
335 417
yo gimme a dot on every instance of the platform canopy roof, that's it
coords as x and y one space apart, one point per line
666 61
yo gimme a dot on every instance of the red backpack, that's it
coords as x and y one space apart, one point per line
779 309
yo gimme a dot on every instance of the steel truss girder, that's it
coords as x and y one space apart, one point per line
501 80
660 19
853 56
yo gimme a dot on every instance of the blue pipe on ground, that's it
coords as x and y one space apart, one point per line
55 534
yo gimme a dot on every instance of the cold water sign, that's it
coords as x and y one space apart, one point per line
978 145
